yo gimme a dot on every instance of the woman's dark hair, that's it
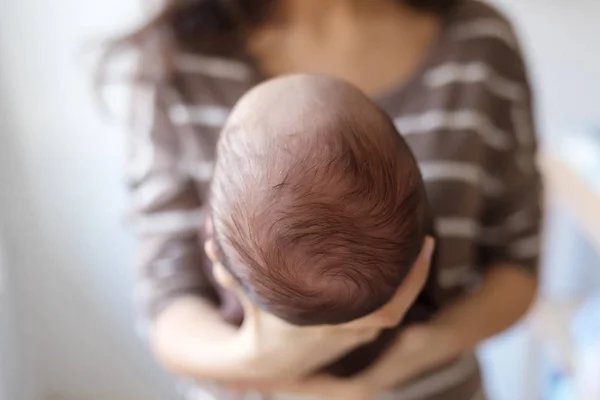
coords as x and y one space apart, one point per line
214 27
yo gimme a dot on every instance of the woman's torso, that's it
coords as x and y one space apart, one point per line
444 113
453 113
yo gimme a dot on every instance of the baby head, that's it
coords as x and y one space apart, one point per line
318 207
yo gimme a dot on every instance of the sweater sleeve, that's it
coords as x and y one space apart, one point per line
511 219
165 207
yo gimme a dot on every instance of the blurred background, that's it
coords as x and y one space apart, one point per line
66 330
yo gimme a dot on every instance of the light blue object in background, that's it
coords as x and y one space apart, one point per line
586 322
585 331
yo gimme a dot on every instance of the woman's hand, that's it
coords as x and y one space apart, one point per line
190 338
268 348
418 349
503 298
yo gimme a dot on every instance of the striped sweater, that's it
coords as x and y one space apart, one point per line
466 114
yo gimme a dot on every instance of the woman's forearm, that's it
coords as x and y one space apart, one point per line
190 338
504 297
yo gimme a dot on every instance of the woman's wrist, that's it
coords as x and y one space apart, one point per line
418 349
450 340
501 300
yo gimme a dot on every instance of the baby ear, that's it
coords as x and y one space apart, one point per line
208 226
223 277
251 312
210 248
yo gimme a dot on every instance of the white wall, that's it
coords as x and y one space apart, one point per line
562 43
61 196
62 202
561 40
16 379
10 379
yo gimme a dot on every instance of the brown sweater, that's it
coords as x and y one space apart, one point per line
466 116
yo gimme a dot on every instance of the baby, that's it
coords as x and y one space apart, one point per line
318 209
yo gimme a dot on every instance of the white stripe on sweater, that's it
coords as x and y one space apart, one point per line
469 173
467 119
156 189
486 28
523 126
453 277
474 72
213 67
527 247
210 116
169 222
519 221
451 170
466 228
515 224
143 155
201 170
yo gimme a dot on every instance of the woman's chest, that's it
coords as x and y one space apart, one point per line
441 129
449 132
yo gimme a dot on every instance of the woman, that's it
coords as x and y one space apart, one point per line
451 75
